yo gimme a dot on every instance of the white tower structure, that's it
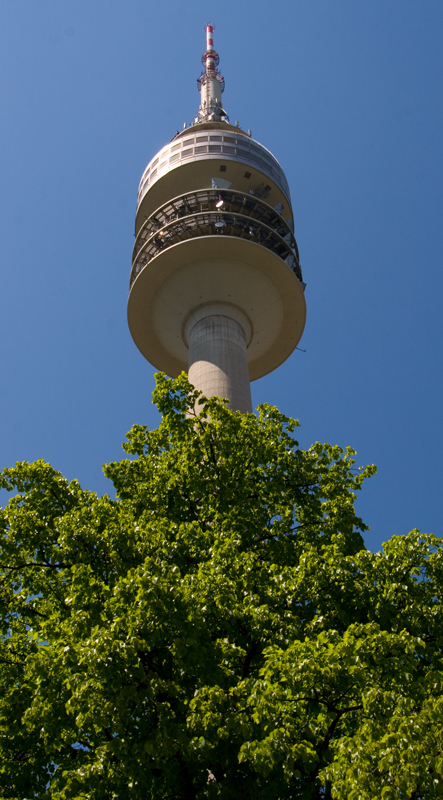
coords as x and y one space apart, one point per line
216 287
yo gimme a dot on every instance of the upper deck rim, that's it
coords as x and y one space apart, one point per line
201 146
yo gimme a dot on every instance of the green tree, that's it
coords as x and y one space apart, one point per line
219 630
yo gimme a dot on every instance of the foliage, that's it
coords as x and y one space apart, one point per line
219 630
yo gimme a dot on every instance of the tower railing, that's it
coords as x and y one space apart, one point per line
215 212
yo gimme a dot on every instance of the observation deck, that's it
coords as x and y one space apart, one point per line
222 143
221 212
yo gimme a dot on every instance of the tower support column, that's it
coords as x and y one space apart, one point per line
218 363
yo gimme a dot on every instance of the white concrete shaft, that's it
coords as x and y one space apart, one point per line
211 94
218 364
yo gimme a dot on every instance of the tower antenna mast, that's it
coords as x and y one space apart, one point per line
211 83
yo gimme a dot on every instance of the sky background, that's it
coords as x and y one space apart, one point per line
348 97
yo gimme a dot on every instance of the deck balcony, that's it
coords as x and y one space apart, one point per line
222 212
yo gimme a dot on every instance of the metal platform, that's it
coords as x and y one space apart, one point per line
222 212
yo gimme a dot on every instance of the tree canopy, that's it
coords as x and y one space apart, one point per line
219 630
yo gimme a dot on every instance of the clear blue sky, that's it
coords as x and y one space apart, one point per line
348 96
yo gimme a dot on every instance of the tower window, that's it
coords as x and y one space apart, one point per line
247 175
222 168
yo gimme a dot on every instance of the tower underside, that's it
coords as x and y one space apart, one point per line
205 270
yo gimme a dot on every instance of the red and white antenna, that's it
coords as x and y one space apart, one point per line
210 61
210 58
209 36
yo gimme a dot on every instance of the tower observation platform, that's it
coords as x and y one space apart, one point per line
216 287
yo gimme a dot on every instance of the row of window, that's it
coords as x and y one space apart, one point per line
244 150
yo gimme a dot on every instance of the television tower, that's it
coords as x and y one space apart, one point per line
216 287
